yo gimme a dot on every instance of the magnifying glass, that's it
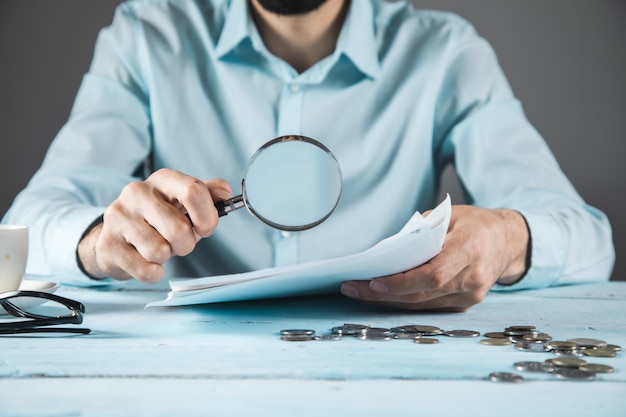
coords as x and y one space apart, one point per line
292 183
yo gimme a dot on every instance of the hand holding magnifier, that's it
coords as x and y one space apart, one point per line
292 183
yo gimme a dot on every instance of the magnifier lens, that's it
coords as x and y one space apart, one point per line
292 183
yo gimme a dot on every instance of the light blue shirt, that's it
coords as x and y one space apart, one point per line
190 85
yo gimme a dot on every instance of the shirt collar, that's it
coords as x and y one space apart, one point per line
235 29
357 39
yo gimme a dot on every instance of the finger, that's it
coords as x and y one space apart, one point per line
367 291
126 224
220 189
121 261
431 301
190 193
432 275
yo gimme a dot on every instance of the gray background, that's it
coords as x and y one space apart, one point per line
566 60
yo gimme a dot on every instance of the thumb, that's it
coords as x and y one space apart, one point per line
220 189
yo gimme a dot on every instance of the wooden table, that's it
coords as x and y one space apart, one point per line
228 359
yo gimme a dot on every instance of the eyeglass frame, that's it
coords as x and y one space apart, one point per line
36 321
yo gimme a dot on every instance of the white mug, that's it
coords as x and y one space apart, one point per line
13 255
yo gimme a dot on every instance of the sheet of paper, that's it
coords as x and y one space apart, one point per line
416 243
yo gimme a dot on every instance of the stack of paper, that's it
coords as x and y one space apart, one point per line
418 241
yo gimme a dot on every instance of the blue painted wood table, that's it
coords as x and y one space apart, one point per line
228 359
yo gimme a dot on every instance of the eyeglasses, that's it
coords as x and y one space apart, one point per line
39 311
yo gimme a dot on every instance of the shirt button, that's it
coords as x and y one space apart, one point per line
294 88
285 234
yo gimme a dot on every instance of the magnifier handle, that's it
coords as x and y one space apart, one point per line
226 206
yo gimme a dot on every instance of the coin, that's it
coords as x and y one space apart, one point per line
532 366
539 337
329 337
495 335
597 368
561 345
574 374
616 348
588 343
505 377
377 336
296 338
566 362
297 332
521 328
567 352
462 333
349 329
600 352
379 330
496 342
426 340
423 330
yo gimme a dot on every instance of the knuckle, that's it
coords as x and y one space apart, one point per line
158 252
132 188
206 229
437 278
160 173
193 188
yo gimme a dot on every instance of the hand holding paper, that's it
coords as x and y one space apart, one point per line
418 241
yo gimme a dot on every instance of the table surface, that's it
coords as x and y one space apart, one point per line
227 359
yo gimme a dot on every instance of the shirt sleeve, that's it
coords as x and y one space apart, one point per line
503 162
104 142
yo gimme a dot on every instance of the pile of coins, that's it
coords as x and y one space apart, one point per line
418 333
566 365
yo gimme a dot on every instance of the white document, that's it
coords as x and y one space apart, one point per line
419 240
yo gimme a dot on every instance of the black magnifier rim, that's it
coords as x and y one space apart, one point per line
286 228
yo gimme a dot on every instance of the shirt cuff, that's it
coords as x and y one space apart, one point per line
547 256
63 239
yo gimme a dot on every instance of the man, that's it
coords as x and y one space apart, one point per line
190 89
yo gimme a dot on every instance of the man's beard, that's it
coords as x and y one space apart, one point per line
290 7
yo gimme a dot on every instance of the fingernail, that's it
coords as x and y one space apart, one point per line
349 291
378 286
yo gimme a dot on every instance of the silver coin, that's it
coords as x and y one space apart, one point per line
379 330
523 328
330 337
349 329
520 333
296 338
296 332
419 329
531 366
505 377
462 333
574 374
575 353
375 336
